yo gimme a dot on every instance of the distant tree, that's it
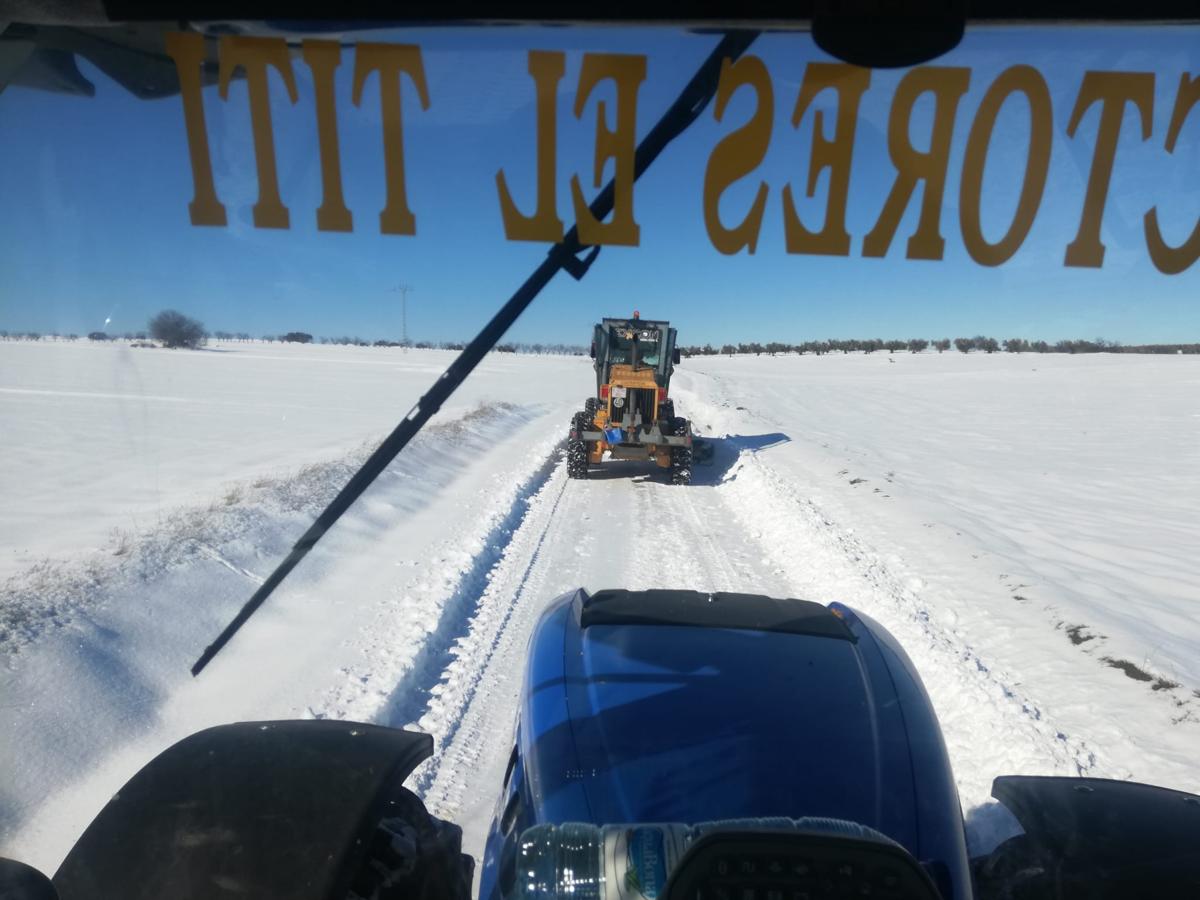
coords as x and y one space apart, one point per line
942 345
174 329
916 345
728 349
33 336
964 345
297 337
506 348
1039 347
222 335
1016 345
986 344
893 346
1099 345
97 336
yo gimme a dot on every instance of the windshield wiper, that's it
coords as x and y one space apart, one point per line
563 255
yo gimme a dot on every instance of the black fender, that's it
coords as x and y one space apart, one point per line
270 810
1093 838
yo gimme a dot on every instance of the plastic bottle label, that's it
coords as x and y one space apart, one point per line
640 858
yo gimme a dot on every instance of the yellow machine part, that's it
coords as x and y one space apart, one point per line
627 376
623 375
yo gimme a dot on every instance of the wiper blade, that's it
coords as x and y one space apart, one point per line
563 255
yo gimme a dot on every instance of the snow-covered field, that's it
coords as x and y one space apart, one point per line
1025 525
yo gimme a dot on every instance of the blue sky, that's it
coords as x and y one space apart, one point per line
95 195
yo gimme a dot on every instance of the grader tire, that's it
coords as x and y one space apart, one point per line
681 457
578 450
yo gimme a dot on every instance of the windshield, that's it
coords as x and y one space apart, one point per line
938 353
644 347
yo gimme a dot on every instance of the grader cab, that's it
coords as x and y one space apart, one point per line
631 415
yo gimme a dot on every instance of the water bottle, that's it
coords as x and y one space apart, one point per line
589 862
578 861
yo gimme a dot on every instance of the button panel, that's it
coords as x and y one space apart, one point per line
817 868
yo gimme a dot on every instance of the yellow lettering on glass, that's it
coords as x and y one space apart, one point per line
547 69
391 61
1167 259
947 85
1018 79
738 154
323 58
850 83
255 55
187 49
1112 90
619 145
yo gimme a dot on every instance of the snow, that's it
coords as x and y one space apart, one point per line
103 437
1021 523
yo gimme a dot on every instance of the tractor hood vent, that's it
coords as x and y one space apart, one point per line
753 612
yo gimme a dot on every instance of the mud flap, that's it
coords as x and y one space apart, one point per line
1093 838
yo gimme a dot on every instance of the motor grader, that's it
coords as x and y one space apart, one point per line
631 415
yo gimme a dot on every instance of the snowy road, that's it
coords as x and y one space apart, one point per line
417 610
1010 696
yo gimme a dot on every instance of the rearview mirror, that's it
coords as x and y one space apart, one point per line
675 356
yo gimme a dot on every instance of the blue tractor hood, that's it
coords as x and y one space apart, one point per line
679 706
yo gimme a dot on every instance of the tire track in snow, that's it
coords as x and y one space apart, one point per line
473 710
626 528
660 535
409 643
460 685
750 529
412 693
741 526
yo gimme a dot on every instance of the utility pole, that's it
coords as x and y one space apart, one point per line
403 290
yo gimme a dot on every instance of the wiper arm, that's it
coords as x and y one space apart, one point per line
563 255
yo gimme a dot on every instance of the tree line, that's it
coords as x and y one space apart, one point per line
183 334
173 329
980 343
